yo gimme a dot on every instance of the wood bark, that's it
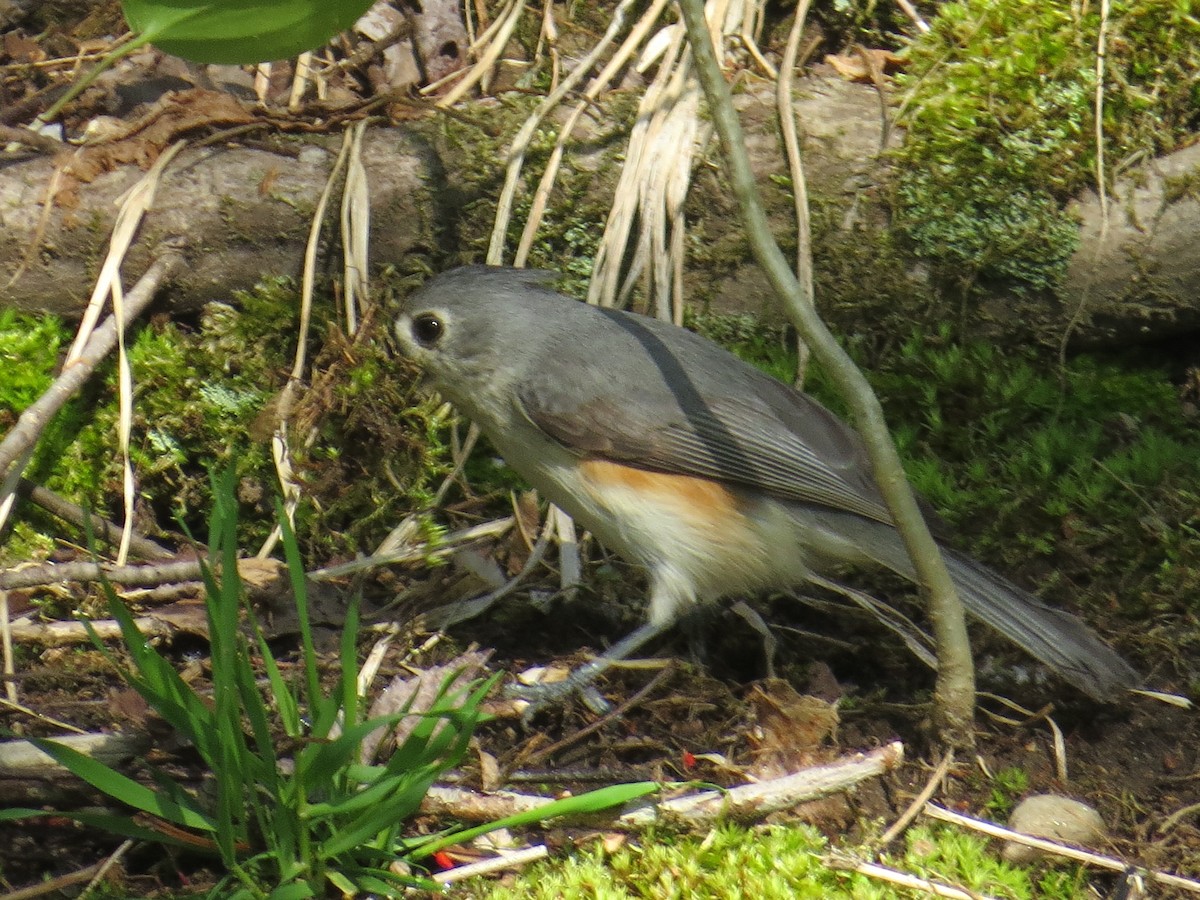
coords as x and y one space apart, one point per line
244 212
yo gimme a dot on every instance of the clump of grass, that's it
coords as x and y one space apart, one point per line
1006 788
291 809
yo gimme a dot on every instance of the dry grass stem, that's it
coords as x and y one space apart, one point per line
524 137
917 641
903 879
415 552
494 40
508 860
281 452
1084 856
356 231
542 195
791 144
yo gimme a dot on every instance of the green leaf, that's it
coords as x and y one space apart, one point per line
297 890
591 802
240 31
124 789
125 826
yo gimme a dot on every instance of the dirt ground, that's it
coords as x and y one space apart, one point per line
1138 763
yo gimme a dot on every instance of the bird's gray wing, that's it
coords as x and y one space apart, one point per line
755 432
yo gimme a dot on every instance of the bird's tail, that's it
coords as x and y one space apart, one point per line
1057 638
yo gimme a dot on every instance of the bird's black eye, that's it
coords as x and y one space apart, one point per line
428 328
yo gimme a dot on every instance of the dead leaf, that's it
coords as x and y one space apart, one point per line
21 49
140 143
417 693
858 66
790 728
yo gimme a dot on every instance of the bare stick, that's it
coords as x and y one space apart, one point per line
746 802
23 759
955 691
134 576
54 885
64 509
751 802
58 634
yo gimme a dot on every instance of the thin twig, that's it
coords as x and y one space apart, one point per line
105 866
1101 187
33 713
1176 817
104 529
281 452
791 143
449 544
508 860
955 687
591 728
54 885
914 809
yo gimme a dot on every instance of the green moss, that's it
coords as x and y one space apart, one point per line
773 862
1006 788
1000 125
29 348
366 452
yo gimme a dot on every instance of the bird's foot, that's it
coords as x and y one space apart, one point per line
533 698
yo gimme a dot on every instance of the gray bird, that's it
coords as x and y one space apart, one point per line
716 478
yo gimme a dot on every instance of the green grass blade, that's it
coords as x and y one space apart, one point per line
295 566
593 801
156 680
297 890
318 763
124 789
281 691
125 826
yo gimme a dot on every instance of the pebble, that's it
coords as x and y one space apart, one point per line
1055 818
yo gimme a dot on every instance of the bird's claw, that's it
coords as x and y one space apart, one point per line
533 698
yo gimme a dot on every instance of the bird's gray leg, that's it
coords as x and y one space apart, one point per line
541 695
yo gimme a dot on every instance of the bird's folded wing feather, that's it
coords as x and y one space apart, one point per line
773 438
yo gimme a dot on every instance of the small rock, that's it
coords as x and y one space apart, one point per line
1055 818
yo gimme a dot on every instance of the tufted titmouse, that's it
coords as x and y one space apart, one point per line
716 478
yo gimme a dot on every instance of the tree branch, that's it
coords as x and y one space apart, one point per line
955 691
